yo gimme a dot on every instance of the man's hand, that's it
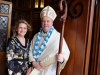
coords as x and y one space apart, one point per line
37 66
60 58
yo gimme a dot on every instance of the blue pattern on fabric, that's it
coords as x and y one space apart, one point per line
37 51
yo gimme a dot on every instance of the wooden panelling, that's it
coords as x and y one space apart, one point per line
75 32
2 63
98 68
5 22
98 65
75 35
95 50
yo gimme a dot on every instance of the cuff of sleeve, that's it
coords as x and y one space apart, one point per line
62 62
31 59
48 61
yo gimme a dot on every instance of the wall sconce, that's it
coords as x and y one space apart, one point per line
42 4
36 4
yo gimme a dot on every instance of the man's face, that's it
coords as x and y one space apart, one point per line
46 23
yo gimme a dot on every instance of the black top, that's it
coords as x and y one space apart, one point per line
17 56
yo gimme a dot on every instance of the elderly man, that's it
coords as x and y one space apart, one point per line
45 45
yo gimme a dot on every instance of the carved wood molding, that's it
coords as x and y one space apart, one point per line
75 10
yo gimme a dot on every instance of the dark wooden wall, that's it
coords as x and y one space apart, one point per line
76 31
94 66
5 23
75 34
2 63
78 35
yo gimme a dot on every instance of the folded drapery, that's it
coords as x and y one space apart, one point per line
44 63
34 72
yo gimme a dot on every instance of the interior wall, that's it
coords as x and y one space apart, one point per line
95 49
75 36
2 63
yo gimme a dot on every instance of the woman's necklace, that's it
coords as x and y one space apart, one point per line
21 39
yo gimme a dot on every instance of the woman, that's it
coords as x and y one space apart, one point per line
18 49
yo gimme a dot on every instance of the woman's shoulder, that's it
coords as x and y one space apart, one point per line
11 39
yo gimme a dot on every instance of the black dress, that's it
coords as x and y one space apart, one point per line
17 57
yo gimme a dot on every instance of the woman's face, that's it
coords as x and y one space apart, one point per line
22 29
46 24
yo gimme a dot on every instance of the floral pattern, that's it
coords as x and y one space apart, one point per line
17 57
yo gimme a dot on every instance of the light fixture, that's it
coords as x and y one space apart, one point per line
36 4
42 4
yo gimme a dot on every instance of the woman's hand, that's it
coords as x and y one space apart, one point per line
29 71
37 66
60 58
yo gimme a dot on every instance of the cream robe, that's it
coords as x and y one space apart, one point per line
48 56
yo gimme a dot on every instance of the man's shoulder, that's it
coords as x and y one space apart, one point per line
34 37
56 32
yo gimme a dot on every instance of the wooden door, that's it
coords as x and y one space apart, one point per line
94 67
78 34
98 41
5 22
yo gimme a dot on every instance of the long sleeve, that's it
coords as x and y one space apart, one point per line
10 56
31 58
66 53
52 59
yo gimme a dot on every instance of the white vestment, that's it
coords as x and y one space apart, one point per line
48 56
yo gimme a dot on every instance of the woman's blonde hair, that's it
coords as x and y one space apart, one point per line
17 24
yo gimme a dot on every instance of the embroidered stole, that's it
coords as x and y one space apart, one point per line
38 50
